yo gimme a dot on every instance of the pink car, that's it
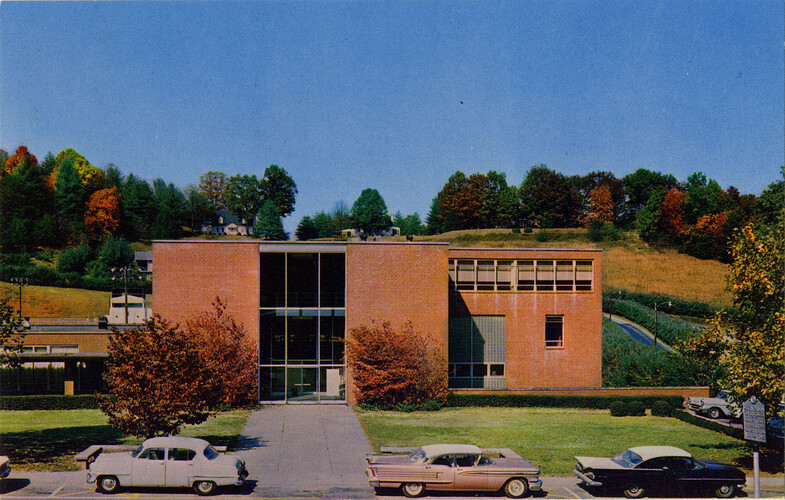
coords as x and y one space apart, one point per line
455 467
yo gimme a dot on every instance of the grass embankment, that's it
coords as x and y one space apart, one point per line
48 440
549 438
53 302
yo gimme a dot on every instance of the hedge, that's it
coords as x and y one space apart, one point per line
679 307
554 401
49 402
47 276
688 417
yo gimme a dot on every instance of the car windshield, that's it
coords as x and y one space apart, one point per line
417 456
627 458
210 452
137 451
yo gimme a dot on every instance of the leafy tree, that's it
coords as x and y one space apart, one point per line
199 209
213 185
244 196
705 196
170 205
268 223
3 159
11 335
158 379
770 206
21 157
547 197
460 202
138 207
648 217
116 252
102 213
369 212
69 200
326 225
615 192
280 188
91 176
749 346
493 198
229 355
392 366
638 188
306 229
601 208
672 213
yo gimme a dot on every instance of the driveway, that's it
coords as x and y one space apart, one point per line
305 451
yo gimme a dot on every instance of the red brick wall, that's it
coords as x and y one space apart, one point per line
398 282
189 275
528 363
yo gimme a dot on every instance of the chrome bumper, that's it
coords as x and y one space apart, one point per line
585 479
535 485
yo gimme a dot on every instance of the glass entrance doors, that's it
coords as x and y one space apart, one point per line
301 326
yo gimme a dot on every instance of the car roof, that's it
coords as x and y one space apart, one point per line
433 450
647 452
176 442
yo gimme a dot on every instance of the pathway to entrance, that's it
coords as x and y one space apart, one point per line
305 450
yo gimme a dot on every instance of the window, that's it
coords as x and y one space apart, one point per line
565 275
554 331
526 275
465 275
464 460
486 275
443 460
152 454
545 275
521 275
181 454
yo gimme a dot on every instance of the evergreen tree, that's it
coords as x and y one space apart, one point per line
306 230
170 210
268 223
69 200
138 208
369 212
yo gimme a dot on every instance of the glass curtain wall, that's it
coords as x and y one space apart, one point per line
302 323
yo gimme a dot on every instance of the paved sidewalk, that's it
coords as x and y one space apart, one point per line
305 451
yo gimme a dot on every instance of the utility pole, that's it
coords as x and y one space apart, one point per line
124 270
21 282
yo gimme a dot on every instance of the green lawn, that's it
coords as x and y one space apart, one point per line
48 440
550 438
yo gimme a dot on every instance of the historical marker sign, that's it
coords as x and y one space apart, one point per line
754 420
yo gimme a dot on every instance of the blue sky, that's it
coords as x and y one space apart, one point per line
398 95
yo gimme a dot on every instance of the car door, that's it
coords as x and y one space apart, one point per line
469 475
685 474
439 473
651 474
180 466
149 468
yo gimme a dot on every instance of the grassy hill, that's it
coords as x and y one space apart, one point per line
629 264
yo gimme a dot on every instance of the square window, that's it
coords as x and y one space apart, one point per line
497 370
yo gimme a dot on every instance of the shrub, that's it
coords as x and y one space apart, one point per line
689 418
516 230
394 366
628 409
528 230
661 409
74 260
542 236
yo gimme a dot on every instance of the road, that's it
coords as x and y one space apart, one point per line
639 333
71 485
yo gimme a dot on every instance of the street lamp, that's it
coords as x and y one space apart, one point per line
655 321
21 282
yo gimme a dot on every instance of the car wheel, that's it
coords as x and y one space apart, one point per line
516 488
725 491
204 487
413 490
715 413
108 484
634 491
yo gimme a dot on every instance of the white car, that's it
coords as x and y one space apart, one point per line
167 461
716 407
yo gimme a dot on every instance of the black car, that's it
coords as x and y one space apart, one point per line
664 469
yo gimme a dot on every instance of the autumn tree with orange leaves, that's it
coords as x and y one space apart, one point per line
102 213
600 205
392 366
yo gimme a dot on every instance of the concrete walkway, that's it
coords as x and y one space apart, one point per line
305 451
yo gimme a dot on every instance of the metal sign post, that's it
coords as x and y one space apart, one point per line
755 431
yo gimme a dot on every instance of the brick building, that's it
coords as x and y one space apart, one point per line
504 318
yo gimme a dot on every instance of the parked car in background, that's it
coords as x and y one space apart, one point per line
662 469
716 407
167 461
5 469
775 437
454 467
